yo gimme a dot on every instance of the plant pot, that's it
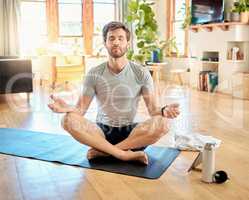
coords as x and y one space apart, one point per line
227 17
235 17
157 56
244 17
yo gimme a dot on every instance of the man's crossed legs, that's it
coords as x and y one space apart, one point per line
89 133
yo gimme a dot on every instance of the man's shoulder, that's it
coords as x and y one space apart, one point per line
98 69
139 69
136 65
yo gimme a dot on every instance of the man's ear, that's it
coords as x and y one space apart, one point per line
129 44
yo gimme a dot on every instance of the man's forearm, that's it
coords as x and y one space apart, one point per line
151 104
76 109
155 111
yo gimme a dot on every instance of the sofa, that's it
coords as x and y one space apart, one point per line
57 70
15 75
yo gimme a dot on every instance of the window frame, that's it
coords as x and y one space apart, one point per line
87 20
70 36
170 27
101 2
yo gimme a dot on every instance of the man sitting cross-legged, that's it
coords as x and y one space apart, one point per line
117 85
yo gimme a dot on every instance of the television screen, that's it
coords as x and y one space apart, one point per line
207 11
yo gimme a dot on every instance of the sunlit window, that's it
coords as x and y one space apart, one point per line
104 12
34 34
70 17
178 31
33 26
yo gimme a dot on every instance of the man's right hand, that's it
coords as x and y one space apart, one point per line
59 105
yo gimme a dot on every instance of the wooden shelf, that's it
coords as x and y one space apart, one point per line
236 61
211 62
209 27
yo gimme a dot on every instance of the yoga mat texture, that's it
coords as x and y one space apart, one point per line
64 149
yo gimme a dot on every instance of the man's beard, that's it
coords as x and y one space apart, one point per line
117 54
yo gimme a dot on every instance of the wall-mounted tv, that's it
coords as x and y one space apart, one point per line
207 11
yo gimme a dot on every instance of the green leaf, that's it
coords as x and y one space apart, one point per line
146 8
141 17
133 6
140 44
129 54
140 58
129 18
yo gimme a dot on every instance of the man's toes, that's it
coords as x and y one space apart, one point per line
90 154
146 160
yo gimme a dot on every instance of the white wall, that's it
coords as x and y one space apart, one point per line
228 5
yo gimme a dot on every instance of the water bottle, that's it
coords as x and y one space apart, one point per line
208 162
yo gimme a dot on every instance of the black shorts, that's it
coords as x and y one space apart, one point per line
115 135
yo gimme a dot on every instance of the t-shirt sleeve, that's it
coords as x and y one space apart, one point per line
147 82
89 84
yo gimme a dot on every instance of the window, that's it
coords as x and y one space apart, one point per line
39 28
33 26
70 17
177 12
104 12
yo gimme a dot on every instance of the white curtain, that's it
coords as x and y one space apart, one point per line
9 27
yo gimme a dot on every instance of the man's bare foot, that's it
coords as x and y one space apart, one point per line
129 155
139 156
94 153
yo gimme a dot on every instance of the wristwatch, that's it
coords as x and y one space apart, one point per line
162 109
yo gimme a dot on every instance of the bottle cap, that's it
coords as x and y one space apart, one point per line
209 146
220 177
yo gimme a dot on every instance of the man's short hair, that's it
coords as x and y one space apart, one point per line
113 26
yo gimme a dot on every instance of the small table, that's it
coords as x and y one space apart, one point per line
177 73
156 68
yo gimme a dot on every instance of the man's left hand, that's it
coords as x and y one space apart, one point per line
171 111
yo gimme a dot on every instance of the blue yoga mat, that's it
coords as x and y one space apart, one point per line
64 149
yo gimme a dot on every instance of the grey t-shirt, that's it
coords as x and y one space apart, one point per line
117 94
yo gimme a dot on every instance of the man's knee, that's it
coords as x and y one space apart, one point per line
163 125
160 127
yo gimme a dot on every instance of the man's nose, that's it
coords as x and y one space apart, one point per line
115 42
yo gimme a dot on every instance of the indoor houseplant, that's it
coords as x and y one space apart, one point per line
240 11
244 14
142 18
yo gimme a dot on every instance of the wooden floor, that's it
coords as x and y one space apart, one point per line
212 114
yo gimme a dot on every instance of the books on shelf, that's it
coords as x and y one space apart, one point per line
208 81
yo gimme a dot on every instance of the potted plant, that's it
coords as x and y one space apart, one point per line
142 17
241 10
244 14
235 12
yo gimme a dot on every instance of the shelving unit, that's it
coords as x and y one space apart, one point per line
209 27
204 45
209 67
240 56
236 61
